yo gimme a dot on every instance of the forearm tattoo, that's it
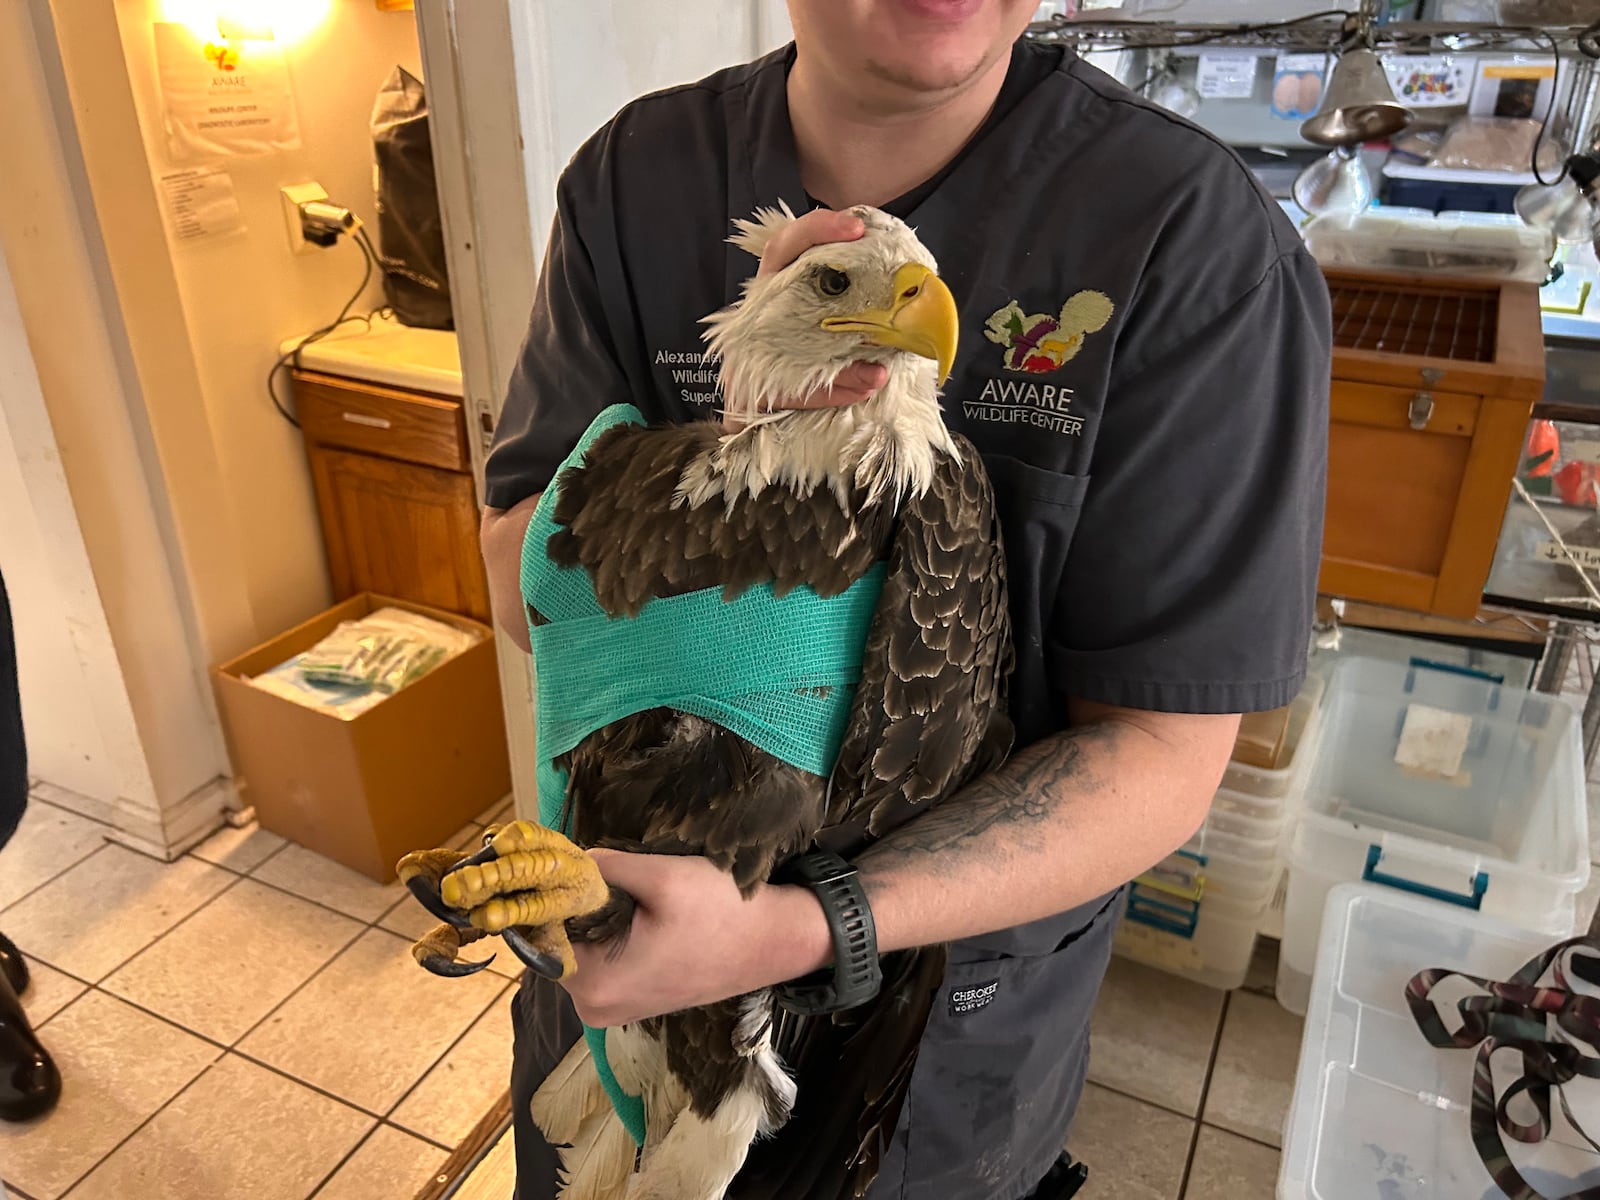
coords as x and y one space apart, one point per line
998 810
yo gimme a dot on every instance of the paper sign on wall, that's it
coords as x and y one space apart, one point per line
223 98
1225 76
1513 87
200 203
1297 85
1429 81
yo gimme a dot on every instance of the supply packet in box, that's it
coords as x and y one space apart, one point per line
364 660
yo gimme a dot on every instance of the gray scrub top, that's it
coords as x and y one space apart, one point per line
1144 363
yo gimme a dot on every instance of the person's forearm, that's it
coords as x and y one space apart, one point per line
1065 820
500 538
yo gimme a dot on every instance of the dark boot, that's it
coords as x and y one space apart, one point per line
1063 1181
12 965
29 1082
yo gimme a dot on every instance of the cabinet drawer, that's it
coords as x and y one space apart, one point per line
373 419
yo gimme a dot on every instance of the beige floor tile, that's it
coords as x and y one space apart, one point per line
453 1097
118 1066
48 841
241 850
1594 819
308 874
49 991
106 909
239 1132
496 813
1133 1150
1151 1035
390 1165
1227 1167
234 961
372 1023
411 921
1253 1080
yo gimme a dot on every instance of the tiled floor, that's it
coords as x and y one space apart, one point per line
245 1022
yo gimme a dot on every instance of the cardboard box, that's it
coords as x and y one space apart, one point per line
404 775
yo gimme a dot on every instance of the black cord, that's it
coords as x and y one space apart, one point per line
369 260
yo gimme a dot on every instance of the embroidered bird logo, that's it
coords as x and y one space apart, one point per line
1038 343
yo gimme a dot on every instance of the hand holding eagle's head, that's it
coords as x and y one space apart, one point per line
877 299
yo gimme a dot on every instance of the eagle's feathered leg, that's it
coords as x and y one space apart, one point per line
524 884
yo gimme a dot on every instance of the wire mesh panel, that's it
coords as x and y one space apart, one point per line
1417 321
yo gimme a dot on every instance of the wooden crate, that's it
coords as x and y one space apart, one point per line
1434 380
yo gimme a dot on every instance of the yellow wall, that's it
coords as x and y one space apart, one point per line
241 296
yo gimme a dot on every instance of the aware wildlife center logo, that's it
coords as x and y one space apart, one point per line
1037 344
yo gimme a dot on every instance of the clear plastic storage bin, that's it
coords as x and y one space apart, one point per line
1378 1111
1504 829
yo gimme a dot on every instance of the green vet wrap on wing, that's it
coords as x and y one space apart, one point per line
779 672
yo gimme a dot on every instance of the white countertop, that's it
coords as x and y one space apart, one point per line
426 360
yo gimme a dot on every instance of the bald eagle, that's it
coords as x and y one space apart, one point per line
743 1094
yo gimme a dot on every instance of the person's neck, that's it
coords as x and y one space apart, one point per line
856 152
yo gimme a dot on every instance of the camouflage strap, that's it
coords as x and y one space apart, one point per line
1516 1014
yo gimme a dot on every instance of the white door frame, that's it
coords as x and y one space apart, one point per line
478 155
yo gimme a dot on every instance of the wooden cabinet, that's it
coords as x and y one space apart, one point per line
1434 380
395 492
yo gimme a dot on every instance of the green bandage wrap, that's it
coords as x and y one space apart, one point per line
779 672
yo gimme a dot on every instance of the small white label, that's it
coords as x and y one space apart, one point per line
1587 557
201 204
1429 81
1295 63
1433 740
1226 76
1588 452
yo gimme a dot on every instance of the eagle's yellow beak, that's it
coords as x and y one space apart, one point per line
921 319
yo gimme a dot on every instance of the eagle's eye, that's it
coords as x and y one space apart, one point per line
832 282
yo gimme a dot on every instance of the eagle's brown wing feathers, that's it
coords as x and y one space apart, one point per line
930 710
929 715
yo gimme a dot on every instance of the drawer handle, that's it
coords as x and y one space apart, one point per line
1472 899
364 419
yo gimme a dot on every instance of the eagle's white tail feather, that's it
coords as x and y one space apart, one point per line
639 1063
698 1158
568 1095
599 1162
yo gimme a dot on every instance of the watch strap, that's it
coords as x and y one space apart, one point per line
856 974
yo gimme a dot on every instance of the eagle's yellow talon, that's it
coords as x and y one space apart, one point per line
524 884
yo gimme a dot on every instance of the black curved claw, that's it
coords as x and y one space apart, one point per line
477 859
537 960
420 887
452 968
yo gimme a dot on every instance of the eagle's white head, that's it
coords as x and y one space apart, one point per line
877 299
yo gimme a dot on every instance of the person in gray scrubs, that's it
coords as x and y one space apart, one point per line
1144 363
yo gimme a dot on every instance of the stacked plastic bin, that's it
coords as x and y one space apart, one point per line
1197 914
1443 783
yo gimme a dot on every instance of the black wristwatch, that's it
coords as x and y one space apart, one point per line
856 973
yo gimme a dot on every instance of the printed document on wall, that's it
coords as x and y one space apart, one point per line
223 98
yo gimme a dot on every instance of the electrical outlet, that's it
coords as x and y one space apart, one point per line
293 197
